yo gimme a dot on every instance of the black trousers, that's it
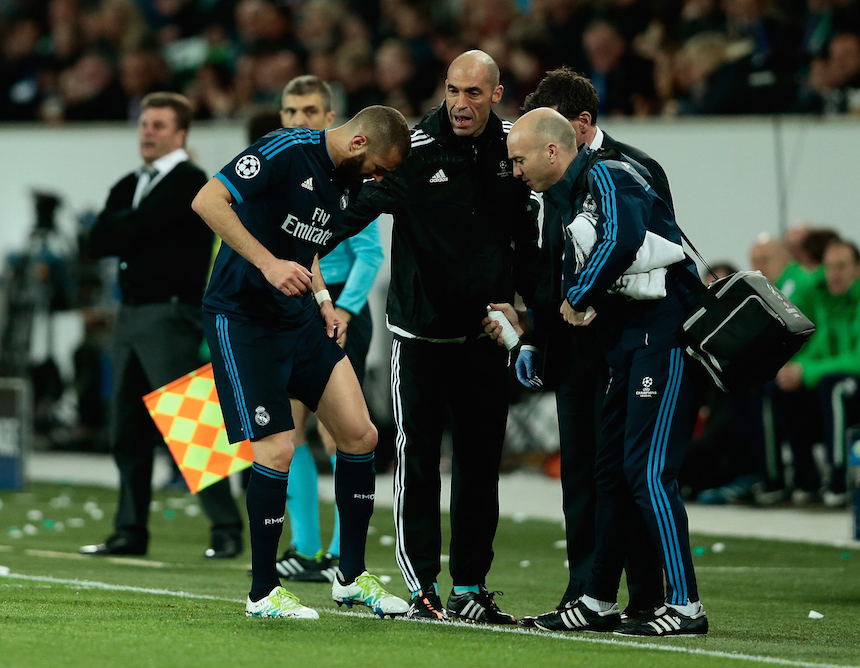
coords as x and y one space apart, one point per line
153 345
428 379
576 356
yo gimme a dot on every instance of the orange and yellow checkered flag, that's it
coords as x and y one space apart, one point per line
188 415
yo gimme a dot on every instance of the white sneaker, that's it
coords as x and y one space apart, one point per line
279 603
367 590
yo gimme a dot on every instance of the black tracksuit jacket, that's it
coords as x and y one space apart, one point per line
464 229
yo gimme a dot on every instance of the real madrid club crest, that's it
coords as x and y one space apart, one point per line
344 199
261 417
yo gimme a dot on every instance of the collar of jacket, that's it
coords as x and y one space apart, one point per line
437 124
564 190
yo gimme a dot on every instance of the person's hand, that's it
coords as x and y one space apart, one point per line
527 363
517 319
335 326
291 278
790 377
346 316
576 318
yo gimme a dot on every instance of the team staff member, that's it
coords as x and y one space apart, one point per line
650 404
574 364
457 210
164 252
275 206
349 272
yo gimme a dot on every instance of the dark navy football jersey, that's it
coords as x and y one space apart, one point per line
287 196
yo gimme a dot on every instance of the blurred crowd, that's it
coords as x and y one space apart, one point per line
788 440
93 60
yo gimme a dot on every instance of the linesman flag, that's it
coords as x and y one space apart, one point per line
188 415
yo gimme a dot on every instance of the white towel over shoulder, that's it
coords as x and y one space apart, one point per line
645 278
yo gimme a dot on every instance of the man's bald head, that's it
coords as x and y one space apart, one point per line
541 144
477 63
545 124
770 256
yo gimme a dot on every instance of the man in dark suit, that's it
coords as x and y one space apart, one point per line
574 365
164 253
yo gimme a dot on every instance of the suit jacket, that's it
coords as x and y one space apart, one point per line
164 247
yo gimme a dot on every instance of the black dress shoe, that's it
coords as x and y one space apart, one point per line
116 544
224 546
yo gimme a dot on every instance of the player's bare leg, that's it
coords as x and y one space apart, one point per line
344 413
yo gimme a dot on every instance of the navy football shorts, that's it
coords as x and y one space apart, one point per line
257 368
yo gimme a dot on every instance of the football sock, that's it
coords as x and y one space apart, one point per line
265 500
354 487
433 586
462 590
334 547
689 609
595 605
303 502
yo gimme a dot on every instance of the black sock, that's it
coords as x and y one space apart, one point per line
354 487
266 502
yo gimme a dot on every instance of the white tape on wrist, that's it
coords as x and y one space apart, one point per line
322 296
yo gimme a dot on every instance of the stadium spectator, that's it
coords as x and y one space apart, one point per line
706 78
829 363
211 92
833 85
395 72
142 72
768 52
164 252
91 90
623 79
20 72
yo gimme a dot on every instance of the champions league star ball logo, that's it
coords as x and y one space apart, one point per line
646 392
261 417
248 166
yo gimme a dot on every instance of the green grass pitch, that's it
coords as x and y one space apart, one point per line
175 608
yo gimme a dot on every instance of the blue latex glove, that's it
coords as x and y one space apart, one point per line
527 363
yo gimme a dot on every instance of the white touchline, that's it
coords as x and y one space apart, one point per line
89 584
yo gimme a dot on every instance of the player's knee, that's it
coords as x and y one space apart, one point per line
275 452
362 442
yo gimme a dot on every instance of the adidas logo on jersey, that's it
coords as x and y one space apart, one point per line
439 177
308 184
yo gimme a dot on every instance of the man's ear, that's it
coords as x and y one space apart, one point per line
584 122
358 143
497 94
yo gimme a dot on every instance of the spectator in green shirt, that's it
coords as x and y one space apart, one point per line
829 364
